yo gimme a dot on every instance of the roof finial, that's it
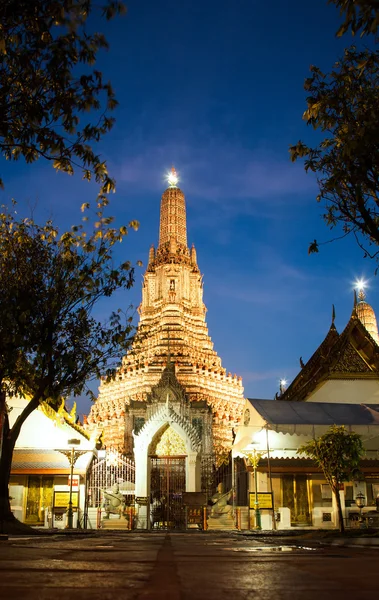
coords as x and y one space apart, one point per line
172 178
355 298
333 314
360 286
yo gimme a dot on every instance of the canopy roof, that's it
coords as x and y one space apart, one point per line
36 461
284 426
316 413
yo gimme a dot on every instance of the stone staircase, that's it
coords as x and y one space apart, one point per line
122 524
221 523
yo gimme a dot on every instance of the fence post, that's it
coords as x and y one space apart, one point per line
205 522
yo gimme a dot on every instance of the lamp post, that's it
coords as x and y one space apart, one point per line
254 458
72 456
360 501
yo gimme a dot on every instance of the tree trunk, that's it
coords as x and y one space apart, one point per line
339 508
9 437
5 470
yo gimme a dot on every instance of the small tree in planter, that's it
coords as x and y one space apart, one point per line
338 454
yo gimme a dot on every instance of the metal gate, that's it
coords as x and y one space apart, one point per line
167 484
108 470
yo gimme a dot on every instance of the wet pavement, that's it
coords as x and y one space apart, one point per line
173 566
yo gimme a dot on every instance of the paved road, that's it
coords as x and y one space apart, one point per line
191 566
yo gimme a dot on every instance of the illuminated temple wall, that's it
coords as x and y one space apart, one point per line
172 315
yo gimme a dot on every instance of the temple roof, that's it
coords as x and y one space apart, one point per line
316 413
168 387
353 354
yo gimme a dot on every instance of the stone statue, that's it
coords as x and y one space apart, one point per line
220 503
113 502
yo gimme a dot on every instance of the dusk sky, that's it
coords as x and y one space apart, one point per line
216 89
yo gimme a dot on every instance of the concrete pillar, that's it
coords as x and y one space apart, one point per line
142 485
192 472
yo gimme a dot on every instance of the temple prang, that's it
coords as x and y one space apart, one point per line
172 326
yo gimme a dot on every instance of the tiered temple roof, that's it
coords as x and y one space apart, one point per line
353 354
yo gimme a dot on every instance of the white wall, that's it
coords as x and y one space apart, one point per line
347 391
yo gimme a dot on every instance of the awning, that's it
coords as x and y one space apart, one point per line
32 461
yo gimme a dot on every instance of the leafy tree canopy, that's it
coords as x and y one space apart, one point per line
338 453
48 85
360 15
50 283
344 106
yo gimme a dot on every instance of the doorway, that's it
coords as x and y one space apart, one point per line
296 498
167 484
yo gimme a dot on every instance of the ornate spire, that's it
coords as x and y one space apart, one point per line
366 315
173 225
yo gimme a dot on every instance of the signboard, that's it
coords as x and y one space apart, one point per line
265 500
142 500
61 499
75 481
194 499
195 515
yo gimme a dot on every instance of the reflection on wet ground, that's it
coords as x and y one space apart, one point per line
166 566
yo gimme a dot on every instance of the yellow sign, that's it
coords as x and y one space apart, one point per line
195 515
61 499
265 500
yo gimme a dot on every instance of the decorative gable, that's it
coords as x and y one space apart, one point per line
350 362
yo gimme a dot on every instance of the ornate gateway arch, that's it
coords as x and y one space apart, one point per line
167 451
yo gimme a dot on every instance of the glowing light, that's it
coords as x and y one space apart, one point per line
172 178
283 382
360 285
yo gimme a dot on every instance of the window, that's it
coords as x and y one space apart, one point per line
326 492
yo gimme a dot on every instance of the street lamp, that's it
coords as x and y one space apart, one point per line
360 501
72 456
254 457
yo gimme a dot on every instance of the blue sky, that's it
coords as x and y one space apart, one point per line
216 88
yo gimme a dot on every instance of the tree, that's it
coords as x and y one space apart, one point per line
360 15
48 84
343 106
51 344
338 454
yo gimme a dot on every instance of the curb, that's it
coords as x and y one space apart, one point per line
355 543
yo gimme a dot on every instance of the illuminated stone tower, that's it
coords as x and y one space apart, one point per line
366 314
172 321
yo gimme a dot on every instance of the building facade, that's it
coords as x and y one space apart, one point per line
40 479
338 385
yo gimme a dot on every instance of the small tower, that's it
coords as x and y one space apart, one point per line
193 256
151 254
366 314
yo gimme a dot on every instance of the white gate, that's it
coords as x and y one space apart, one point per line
106 471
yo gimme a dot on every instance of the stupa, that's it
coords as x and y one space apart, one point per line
172 330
